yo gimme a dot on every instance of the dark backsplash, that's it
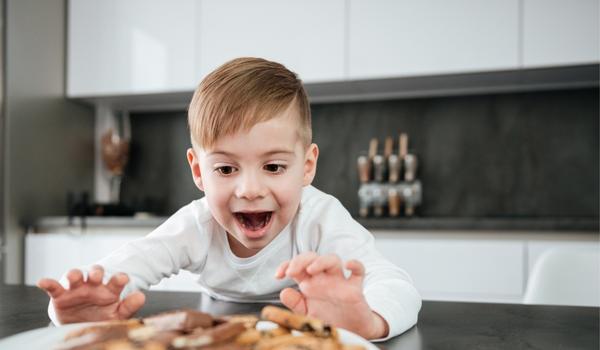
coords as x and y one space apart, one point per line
503 155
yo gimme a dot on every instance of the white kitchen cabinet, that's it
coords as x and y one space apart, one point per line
459 269
560 32
50 256
481 266
396 38
139 47
459 266
308 37
53 254
130 47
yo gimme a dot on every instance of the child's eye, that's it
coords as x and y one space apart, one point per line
274 168
225 170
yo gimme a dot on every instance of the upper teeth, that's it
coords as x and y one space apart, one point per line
253 219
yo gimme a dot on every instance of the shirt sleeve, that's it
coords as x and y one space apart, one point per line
388 289
179 243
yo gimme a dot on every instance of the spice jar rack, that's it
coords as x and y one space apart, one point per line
388 180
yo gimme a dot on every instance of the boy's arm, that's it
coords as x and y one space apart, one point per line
143 262
181 242
328 229
388 289
176 244
378 311
89 299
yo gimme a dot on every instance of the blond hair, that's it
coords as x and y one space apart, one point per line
241 93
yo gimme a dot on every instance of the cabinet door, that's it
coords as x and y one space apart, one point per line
560 32
459 269
394 38
53 254
305 36
134 46
50 255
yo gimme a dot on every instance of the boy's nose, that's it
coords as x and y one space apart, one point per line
250 187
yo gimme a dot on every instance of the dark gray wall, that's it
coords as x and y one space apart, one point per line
505 155
157 178
49 140
516 155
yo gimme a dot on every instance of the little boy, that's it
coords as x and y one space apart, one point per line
261 233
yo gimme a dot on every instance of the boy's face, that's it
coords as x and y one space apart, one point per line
253 180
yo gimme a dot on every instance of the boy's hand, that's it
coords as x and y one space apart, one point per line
327 294
91 300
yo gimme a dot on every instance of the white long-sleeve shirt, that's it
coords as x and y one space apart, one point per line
192 240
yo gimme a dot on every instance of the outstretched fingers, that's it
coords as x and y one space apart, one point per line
357 269
131 304
51 287
75 278
280 272
297 266
117 282
329 263
96 275
293 300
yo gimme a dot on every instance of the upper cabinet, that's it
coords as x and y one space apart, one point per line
395 38
560 32
307 36
130 47
141 47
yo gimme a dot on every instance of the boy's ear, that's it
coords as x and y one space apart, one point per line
195 168
310 164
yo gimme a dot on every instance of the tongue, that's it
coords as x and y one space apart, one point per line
255 220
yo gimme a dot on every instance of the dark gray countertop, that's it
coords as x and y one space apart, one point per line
48 223
442 325
483 224
590 225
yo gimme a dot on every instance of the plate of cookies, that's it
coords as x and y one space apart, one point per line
275 329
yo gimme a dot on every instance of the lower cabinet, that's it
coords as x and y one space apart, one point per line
473 266
53 254
448 269
455 266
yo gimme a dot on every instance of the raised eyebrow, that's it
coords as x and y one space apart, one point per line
266 154
279 151
220 153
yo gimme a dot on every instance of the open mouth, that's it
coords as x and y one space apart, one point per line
253 221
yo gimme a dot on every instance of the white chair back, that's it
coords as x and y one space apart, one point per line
565 276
